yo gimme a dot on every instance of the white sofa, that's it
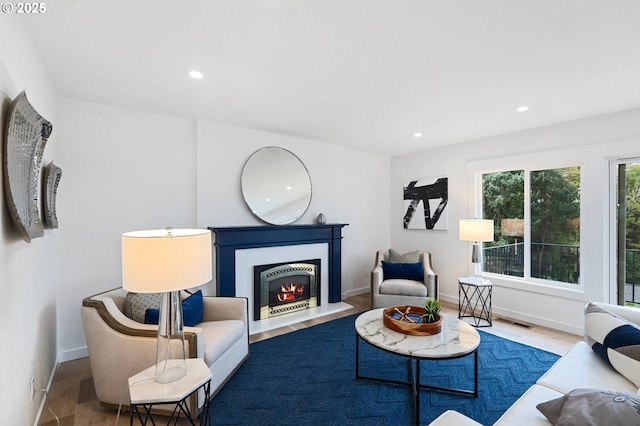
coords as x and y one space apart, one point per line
120 347
580 367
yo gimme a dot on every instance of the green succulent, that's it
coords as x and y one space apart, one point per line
432 309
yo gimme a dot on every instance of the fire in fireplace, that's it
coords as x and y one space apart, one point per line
281 288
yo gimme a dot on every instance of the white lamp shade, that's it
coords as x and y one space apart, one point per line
476 230
158 261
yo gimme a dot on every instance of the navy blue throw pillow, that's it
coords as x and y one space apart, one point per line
191 311
407 271
151 316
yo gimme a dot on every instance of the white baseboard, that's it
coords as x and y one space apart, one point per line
544 322
355 292
43 401
74 354
532 319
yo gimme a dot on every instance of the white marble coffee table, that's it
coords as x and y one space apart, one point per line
457 339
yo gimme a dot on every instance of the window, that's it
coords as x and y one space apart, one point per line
536 215
627 221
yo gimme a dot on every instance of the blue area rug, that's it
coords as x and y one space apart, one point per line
308 378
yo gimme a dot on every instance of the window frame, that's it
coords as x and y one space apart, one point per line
613 290
528 283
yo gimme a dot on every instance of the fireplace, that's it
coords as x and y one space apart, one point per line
282 288
238 249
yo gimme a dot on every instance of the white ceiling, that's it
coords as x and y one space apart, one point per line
364 74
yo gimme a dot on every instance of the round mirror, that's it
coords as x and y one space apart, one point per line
276 185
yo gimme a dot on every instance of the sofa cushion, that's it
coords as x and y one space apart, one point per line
403 288
524 412
451 418
405 271
592 407
219 336
615 340
191 311
136 304
580 367
400 257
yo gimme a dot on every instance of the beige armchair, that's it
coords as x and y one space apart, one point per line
120 347
392 292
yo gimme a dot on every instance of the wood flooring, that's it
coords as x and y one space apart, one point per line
73 401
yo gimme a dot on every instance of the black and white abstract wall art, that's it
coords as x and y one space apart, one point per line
425 202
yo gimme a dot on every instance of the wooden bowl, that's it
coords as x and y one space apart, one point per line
406 327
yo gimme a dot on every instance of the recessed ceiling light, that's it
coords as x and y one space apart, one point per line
267 200
522 108
289 188
196 74
417 135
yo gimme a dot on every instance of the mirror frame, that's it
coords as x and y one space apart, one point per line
259 186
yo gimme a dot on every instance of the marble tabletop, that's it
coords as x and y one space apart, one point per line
456 339
475 281
143 389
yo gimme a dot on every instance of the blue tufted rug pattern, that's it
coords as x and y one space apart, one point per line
307 377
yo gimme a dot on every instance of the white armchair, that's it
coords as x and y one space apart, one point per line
120 347
391 292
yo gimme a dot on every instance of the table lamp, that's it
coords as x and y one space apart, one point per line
476 230
167 261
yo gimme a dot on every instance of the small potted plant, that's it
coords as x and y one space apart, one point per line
431 311
431 319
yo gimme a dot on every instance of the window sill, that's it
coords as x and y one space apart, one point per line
575 292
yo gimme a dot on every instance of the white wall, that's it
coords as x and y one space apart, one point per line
29 272
590 142
122 171
348 187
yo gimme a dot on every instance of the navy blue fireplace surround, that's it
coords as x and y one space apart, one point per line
230 239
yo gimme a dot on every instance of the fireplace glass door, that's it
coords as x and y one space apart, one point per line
283 288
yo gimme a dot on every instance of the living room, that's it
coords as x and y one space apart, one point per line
126 167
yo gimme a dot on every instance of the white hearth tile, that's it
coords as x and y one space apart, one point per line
267 324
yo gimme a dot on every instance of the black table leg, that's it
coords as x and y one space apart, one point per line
204 415
475 374
416 391
415 381
357 356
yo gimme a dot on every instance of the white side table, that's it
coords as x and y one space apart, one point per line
145 392
474 300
